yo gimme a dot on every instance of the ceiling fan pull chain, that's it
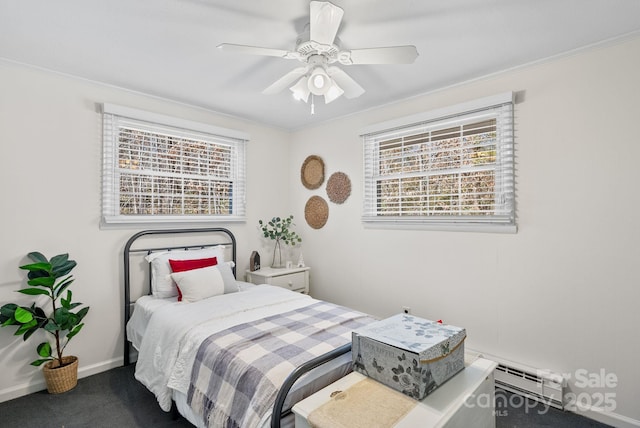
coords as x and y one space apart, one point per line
313 105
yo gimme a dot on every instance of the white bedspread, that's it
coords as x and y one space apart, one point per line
176 329
146 306
144 309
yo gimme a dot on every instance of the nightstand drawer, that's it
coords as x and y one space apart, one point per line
292 281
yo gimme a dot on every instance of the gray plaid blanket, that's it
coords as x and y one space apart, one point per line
238 372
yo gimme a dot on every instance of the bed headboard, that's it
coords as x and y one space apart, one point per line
137 272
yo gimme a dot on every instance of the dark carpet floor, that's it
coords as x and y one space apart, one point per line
115 399
515 411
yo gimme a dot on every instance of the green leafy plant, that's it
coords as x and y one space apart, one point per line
49 278
279 230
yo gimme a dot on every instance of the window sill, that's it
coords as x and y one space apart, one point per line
127 222
444 227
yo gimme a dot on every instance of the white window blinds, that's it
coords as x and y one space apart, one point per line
455 170
161 169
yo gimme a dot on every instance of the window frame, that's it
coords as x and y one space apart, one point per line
181 128
501 107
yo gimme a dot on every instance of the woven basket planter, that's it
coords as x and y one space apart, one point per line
61 379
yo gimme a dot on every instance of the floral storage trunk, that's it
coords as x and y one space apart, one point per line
409 354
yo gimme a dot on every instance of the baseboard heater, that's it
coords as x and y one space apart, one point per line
540 385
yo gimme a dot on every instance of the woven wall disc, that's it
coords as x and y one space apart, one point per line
316 212
312 172
338 187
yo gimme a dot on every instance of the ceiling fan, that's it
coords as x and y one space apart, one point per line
319 48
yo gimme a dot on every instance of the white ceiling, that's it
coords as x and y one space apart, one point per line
167 48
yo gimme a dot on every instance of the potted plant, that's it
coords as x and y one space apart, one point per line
279 229
49 278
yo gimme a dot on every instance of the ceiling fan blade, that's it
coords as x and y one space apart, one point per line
253 50
387 55
324 22
286 80
349 86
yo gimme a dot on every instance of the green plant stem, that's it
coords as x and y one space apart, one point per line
57 335
58 349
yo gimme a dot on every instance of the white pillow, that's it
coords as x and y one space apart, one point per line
230 284
198 284
162 285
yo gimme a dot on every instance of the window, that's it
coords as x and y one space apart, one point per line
452 168
159 169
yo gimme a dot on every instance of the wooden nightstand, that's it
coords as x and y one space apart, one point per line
294 279
465 400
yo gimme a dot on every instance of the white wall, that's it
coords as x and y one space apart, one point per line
50 169
560 294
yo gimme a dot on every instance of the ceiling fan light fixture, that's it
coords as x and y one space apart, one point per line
319 81
334 92
301 90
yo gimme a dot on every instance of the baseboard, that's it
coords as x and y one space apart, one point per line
39 385
100 367
609 418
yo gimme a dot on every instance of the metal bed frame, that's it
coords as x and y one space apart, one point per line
225 238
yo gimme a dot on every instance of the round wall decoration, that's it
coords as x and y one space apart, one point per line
316 212
312 172
338 187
